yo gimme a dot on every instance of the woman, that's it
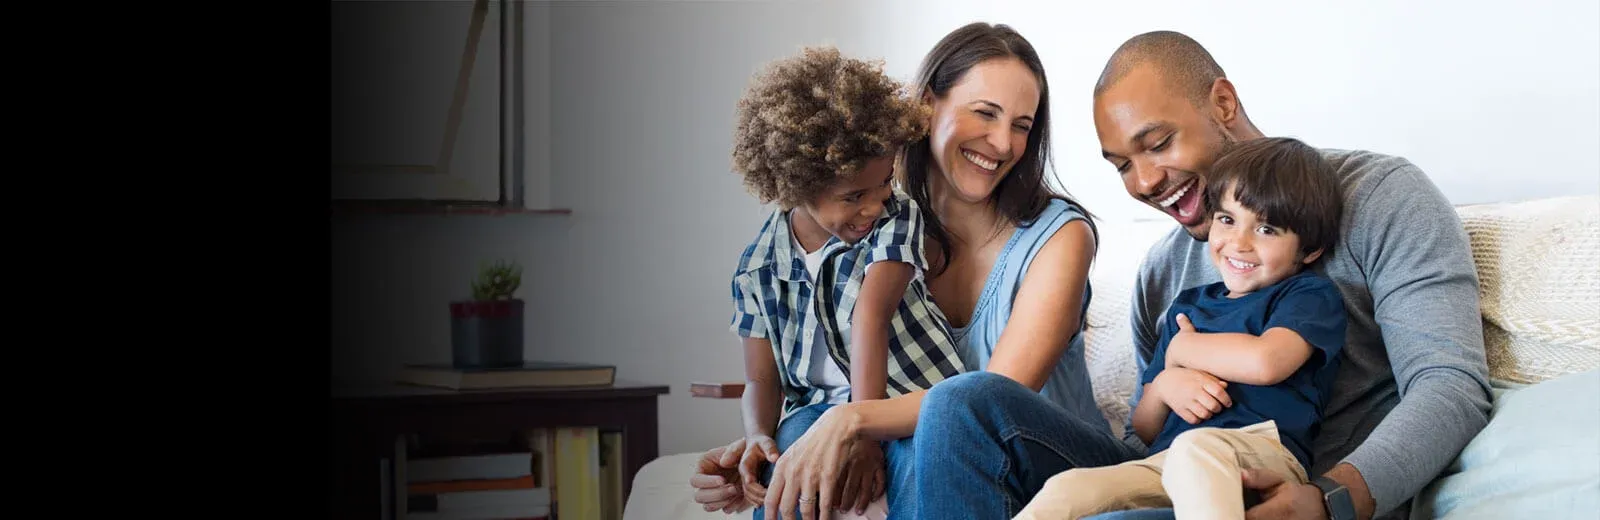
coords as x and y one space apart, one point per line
1010 263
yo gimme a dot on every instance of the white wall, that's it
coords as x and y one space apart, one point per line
1496 101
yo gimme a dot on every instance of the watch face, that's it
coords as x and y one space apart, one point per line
1340 507
1337 499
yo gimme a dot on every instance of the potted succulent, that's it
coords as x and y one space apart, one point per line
486 330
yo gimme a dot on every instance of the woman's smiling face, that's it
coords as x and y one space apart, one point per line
980 127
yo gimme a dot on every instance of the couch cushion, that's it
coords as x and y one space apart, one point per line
1537 458
1538 284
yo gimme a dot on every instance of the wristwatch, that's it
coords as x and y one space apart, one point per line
1336 498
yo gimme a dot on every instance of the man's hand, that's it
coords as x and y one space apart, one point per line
1194 395
1282 500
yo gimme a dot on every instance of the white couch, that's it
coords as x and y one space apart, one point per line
1539 268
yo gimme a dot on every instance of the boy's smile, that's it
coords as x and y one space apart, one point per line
846 210
1249 252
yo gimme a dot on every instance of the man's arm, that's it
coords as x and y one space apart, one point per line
1425 300
882 288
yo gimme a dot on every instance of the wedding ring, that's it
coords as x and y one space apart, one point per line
807 500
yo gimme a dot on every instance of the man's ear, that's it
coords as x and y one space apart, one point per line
1224 103
1312 257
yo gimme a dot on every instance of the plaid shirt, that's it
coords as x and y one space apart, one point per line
773 299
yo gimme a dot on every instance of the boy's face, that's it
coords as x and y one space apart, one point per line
1249 253
849 208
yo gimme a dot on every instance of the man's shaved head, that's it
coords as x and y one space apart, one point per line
1163 112
1180 61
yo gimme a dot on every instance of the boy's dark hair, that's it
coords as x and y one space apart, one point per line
1286 183
809 121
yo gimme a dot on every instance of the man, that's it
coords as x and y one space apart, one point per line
1413 389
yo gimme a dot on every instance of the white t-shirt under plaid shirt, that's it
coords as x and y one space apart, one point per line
774 298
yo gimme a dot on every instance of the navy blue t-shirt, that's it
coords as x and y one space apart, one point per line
1307 303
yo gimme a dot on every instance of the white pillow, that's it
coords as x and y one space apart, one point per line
1539 457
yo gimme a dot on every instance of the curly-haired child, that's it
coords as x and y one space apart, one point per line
829 298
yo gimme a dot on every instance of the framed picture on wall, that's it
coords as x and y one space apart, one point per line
425 103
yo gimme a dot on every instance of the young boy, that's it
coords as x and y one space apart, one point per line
829 297
1243 368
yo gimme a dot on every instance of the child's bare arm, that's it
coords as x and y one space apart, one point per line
1244 358
762 397
1192 394
1150 414
882 288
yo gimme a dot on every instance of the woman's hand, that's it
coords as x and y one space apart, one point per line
716 479
806 477
863 478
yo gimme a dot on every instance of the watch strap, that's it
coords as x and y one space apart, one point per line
1336 499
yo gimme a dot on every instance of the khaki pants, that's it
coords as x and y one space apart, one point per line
1198 477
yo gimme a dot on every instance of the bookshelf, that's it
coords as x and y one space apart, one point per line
379 430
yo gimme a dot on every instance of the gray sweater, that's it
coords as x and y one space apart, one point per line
1413 387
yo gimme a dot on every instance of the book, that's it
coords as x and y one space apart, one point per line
577 464
469 467
717 390
544 374
611 500
489 498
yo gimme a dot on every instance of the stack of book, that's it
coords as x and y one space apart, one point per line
456 484
496 485
570 473
567 473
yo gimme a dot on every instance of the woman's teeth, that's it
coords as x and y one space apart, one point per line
980 161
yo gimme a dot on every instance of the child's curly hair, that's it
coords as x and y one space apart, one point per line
811 120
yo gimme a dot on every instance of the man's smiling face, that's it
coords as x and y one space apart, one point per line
1161 144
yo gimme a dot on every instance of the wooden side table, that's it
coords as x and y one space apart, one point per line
368 421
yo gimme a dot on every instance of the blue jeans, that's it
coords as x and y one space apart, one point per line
985 444
896 454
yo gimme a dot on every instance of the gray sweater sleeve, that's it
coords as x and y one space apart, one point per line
1424 292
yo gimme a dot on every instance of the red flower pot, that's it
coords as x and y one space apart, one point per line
486 334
